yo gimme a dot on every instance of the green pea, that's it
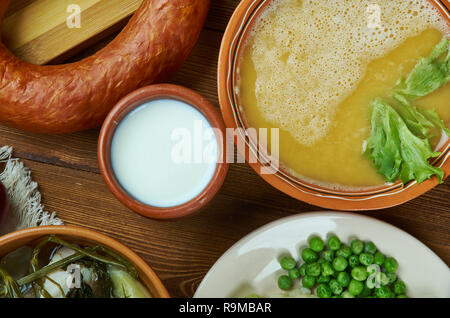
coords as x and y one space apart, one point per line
392 277
399 287
344 251
294 273
327 269
343 278
316 244
371 282
343 271
379 258
302 269
367 292
391 265
340 264
383 292
366 259
370 248
323 279
353 261
313 269
359 273
284 282
323 291
355 287
382 278
288 263
328 255
357 246
308 281
372 269
334 243
309 256
335 287
347 294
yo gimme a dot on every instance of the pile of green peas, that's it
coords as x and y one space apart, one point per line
337 270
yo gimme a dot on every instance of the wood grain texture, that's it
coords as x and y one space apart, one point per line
181 252
37 31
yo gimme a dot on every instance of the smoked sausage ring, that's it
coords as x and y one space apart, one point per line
77 96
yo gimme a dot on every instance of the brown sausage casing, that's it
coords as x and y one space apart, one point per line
77 96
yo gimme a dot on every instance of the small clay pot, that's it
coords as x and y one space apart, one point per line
131 102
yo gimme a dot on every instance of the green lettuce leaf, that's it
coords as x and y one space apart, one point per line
383 146
399 145
429 74
395 150
422 122
415 153
435 119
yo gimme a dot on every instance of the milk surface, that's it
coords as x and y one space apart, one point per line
164 153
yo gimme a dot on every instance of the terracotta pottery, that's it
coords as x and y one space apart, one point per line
136 99
378 198
82 236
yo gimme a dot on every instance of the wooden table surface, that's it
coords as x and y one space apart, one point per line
181 252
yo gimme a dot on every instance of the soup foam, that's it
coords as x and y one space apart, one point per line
309 55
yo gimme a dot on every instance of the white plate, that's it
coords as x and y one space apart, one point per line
251 265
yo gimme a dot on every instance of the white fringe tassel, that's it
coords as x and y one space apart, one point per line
25 208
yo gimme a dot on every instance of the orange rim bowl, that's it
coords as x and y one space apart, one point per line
79 235
373 199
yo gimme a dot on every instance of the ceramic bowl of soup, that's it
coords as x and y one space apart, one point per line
161 151
296 79
83 238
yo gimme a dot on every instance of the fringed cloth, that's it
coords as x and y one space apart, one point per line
25 208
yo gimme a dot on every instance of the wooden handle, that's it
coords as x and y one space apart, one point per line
37 30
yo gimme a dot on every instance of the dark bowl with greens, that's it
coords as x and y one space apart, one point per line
72 262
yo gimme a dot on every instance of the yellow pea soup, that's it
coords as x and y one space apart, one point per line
312 68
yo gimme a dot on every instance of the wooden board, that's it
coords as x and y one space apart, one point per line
182 251
38 31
